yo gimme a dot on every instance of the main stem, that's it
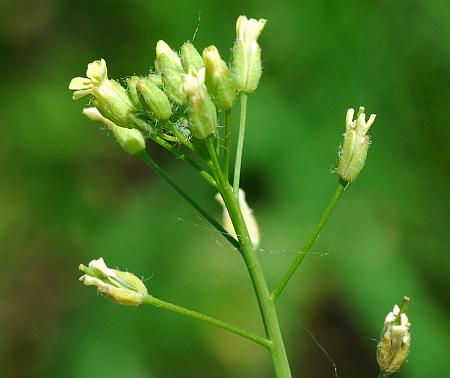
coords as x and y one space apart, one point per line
206 318
315 234
266 306
383 374
240 145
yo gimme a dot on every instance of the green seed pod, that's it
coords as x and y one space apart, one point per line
247 66
219 81
190 57
153 100
353 154
202 111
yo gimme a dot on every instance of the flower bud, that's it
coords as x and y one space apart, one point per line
121 287
131 140
155 79
190 57
110 98
173 60
249 218
247 53
153 100
169 65
395 341
202 111
353 153
132 90
219 81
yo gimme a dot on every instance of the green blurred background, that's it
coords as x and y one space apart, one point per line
68 195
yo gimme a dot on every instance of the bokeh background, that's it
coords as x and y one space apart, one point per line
68 195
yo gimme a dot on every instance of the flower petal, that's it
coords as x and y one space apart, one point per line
78 83
97 71
79 94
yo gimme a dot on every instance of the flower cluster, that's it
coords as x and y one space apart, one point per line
180 97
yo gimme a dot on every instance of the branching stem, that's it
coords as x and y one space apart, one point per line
150 300
266 306
160 172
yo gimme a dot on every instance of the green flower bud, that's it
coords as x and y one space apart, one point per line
395 341
202 111
169 65
247 54
153 100
121 287
173 60
132 90
352 156
219 81
131 140
190 57
110 98
155 79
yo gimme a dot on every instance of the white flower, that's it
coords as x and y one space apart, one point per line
249 218
393 347
96 73
121 287
352 156
248 31
247 53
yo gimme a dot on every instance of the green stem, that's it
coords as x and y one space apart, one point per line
206 318
160 172
240 145
181 138
383 374
266 306
304 251
227 144
209 179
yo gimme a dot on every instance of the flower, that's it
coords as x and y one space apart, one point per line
168 64
247 53
202 111
121 287
395 341
352 156
249 218
190 57
110 98
96 73
131 140
162 48
218 79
